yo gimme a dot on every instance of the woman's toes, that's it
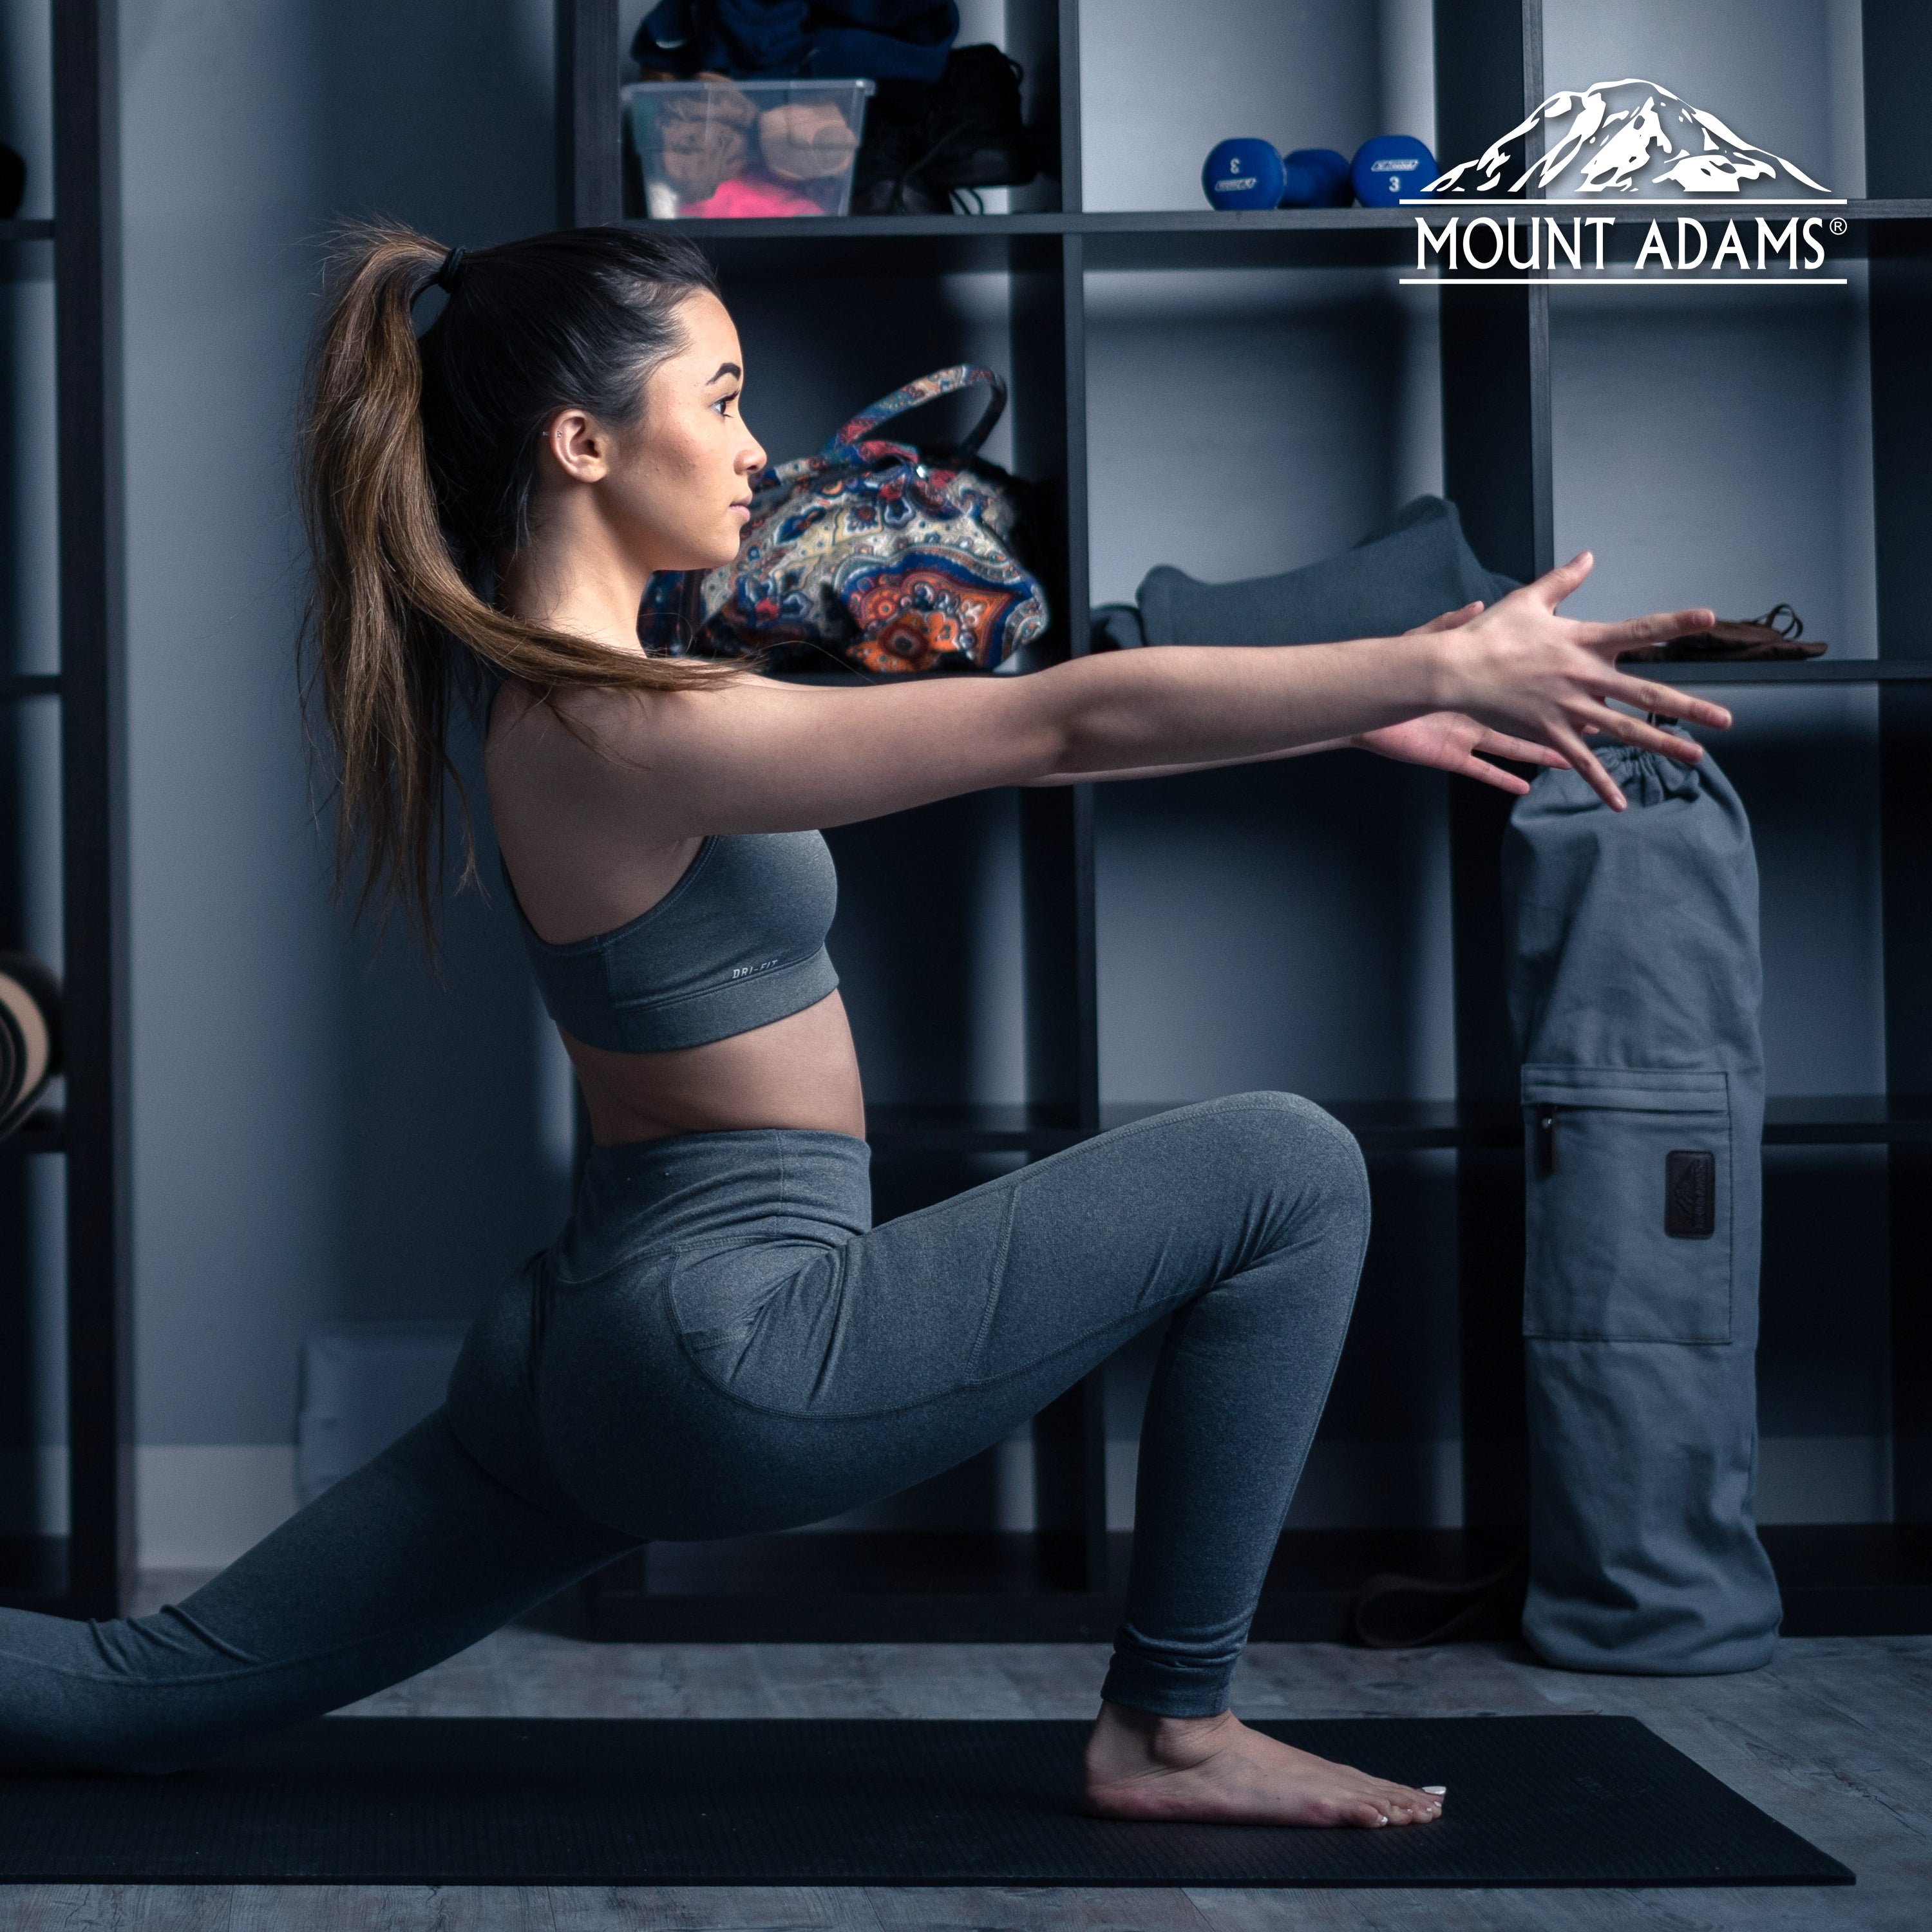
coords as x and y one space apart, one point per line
1403 1806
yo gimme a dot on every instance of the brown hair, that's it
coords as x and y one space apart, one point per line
418 458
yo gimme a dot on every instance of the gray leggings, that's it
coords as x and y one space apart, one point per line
720 1343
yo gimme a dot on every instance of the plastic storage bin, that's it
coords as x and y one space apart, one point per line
712 149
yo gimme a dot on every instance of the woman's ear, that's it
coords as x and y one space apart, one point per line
578 446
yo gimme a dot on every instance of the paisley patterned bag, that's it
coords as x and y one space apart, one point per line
872 553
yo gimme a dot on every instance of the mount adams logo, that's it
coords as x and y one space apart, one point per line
1630 144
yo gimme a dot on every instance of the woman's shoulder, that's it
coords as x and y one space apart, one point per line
523 716
594 751
607 728
587 852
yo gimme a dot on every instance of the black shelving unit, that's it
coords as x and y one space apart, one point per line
1303 238
90 1571
1062 1581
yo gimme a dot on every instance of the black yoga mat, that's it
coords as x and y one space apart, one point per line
453 1801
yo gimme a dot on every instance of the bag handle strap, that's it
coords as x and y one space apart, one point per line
925 389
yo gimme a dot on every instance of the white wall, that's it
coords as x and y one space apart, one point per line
318 1129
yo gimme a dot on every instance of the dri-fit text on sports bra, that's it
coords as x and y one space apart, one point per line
739 941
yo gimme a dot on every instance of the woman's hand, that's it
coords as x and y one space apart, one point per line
1448 741
1518 668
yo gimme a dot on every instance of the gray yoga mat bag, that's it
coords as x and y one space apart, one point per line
1634 984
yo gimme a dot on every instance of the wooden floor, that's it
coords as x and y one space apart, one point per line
1835 1738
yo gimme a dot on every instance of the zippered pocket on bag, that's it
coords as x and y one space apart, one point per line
1628 1232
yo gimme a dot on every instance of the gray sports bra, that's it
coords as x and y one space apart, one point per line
738 942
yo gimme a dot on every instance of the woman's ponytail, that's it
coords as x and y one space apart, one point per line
403 568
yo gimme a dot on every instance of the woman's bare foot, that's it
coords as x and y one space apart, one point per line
1139 1766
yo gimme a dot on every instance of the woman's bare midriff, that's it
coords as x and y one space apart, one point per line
576 876
801 1071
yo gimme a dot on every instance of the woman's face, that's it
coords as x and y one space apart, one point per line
674 484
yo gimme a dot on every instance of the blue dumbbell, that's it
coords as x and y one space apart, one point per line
1390 168
1316 177
1244 172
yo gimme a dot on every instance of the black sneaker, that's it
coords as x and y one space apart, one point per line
885 177
973 121
924 146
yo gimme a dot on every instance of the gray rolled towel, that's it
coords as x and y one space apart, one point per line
1414 568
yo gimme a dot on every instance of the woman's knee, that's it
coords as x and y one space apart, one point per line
1281 1140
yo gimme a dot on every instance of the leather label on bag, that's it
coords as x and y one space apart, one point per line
1690 1193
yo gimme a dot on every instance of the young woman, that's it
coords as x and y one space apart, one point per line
720 1341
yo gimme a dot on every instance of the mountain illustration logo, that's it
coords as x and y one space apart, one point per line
1625 137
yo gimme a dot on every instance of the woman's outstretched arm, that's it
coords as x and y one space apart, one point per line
1445 741
761 756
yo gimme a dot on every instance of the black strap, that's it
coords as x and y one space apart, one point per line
1393 1612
